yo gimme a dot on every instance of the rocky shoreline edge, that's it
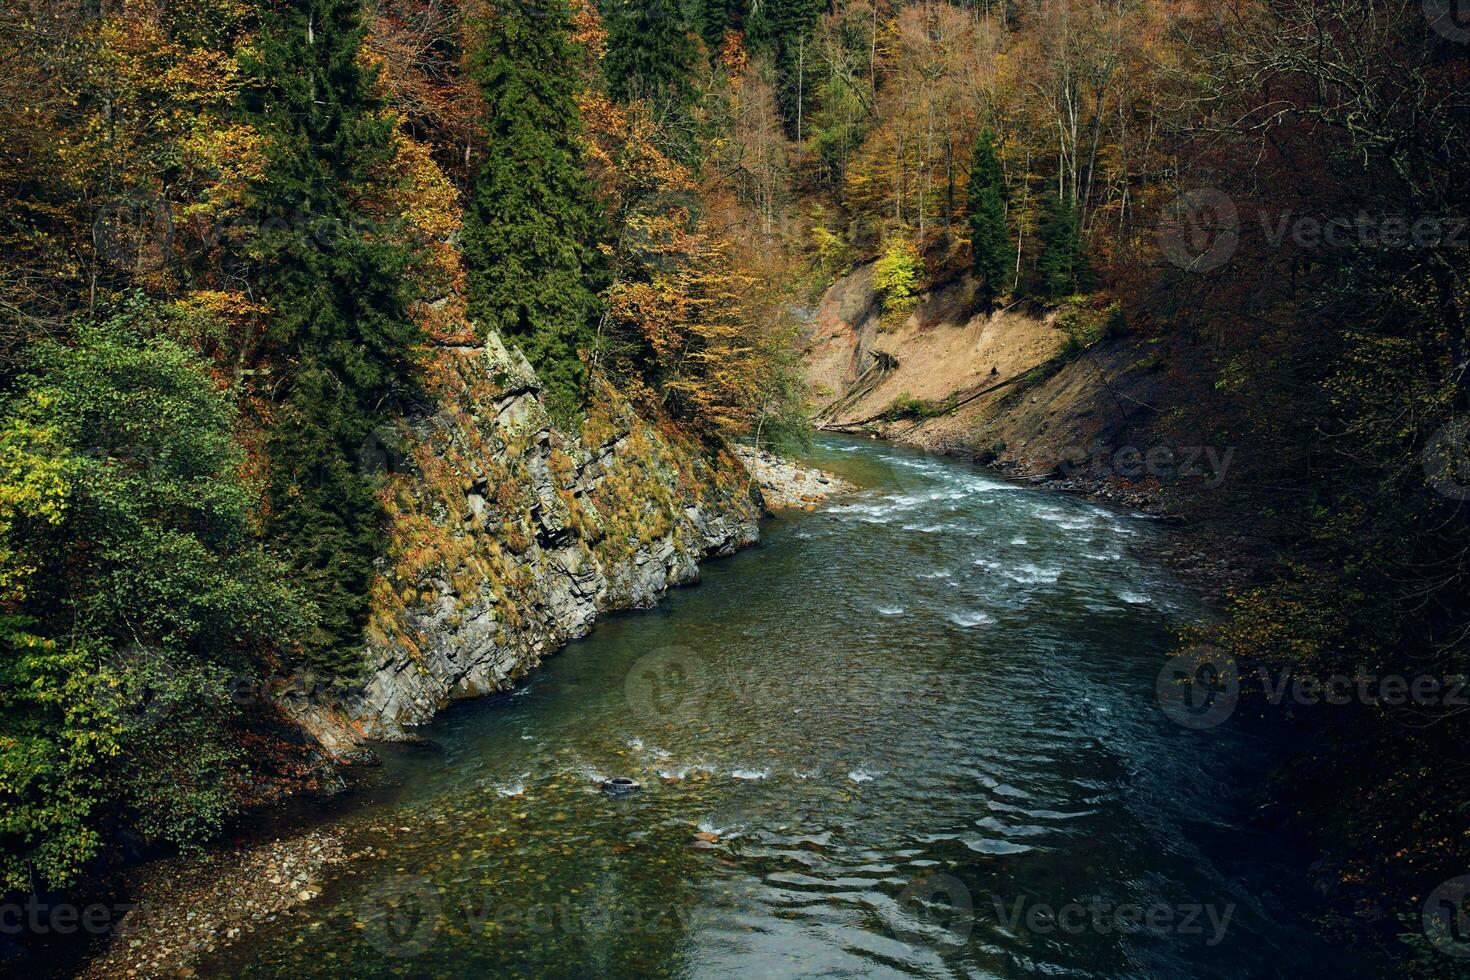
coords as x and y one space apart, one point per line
1201 552
188 906
191 906
787 485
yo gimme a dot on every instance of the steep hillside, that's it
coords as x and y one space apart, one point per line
1007 387
859 367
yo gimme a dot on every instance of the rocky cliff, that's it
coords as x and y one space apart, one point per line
510 536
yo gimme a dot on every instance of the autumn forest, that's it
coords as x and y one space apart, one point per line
339 339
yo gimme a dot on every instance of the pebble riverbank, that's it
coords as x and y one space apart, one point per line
189 906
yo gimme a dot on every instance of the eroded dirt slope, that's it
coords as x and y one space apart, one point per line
993 385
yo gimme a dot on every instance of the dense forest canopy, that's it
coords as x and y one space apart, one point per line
234 231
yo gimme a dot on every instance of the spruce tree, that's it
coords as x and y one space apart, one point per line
1062 267
714 21
532 223
784 28
990 245
650 55
340 328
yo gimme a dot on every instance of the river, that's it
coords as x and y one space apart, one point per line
913 733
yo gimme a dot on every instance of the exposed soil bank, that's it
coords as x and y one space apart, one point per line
1006 390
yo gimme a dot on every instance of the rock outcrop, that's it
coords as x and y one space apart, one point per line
787 485
509 537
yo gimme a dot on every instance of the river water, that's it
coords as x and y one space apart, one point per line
914 732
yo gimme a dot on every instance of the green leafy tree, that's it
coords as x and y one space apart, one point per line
134 589
53 731
56 736
337 285
836 124
896 276
1062 266
532 223
990 245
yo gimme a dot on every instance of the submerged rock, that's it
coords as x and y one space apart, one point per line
620 786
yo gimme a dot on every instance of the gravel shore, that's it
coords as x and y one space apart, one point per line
785 484
190 906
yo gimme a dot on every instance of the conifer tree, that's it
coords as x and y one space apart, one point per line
784 28
714 20
990 246
532 223
1062 267
340 324
650 55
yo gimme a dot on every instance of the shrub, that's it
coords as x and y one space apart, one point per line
831 255
906 406
1086 323
896 277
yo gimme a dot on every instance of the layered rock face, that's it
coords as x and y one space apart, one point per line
508 538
